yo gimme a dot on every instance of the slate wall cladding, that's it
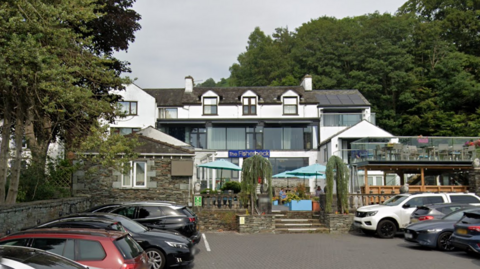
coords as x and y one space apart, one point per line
338 223
256 224
22 215
104 184
474 180
215 220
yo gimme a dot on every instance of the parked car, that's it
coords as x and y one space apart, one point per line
17 257
436 233
157 215
163 248
435 211
466 235
394 214
95 248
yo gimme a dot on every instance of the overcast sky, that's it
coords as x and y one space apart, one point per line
203 38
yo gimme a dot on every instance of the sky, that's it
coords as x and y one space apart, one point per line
203 38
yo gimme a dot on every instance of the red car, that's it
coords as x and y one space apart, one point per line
91 247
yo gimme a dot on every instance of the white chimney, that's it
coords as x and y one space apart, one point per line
307 83
188 84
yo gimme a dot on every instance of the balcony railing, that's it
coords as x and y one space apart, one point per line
344 119
411 149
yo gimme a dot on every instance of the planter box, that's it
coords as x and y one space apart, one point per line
302 205
275 202
287 204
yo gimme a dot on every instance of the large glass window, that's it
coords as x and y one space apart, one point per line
280 165
284 138
210 106
236 138
249 106
254 138
290 105
217 138
167 113
197 137
128 107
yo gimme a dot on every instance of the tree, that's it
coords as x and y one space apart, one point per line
256 170
50 78
337 171
208 83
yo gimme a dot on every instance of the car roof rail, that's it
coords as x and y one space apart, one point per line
93 232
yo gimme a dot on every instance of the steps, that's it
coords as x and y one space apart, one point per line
284 224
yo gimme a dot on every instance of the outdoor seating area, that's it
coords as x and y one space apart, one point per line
413 149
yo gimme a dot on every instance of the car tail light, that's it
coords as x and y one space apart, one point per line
426 218
129 264
474 228
191 219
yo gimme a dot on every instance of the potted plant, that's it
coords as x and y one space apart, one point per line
315 203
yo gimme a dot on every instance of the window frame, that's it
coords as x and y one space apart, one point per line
116 130
209 105
162 112
132 176
290 105
249 105
129 112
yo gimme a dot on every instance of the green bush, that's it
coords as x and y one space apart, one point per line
232 185
204 191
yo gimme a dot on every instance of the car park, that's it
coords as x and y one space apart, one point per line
466 235
394 214
435 211
91 247
17 257
163 248
436 233
158 215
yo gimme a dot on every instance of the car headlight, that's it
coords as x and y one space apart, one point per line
177 245
434 230
371 213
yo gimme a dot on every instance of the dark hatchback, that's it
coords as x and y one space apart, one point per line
163 248
467 233
24 258
435 233
164 216
435 211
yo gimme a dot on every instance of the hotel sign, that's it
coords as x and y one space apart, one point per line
248 153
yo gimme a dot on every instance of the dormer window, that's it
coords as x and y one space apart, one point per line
249 106
210 106
290 106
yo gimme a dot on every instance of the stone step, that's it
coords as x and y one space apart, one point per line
301 230
296 220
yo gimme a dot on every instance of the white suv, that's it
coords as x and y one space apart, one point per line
394 214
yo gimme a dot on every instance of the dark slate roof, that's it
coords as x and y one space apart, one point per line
150 145
269 95
340 98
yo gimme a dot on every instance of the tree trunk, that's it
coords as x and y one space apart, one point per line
4 153
15 177
38 142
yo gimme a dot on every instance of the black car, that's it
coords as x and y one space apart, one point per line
27 258
157 215
435 233
435 211
162 248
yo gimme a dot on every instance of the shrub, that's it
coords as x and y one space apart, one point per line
204 191
232 185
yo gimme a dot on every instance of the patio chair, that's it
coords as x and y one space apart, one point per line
397 151
456 152
443 151
380 153
405 153
469 152
413 152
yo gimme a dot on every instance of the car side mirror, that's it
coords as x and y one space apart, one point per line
406 206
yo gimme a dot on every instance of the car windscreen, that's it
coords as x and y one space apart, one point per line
395 200
421 210
459 214
131 225
38 259
188 212
128 247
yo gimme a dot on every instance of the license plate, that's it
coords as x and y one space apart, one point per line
357 224
413 220
461 231
408 236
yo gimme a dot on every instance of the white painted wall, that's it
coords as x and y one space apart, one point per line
146 109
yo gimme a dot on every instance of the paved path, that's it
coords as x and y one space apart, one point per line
351 251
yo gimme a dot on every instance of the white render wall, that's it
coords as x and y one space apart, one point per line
146 109
235 112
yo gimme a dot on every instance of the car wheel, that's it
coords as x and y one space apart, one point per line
386 229
368 232
443 242
156 259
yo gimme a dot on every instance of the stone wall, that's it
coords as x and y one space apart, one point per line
256 224
22 215
105 184
474 180
338 223
218 220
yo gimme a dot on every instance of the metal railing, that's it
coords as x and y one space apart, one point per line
223 201
344 119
